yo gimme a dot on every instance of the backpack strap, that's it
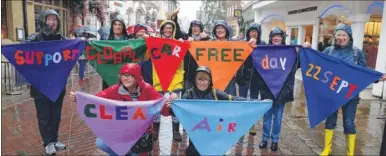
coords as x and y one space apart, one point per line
230 97
214 94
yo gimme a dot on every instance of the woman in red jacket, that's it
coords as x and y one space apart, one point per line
131 87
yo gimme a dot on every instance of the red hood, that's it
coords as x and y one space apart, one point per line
133 69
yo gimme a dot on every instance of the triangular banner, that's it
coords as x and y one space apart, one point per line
45 65
224 58
166 55
329 83
119 124
215 126
274 63
108 56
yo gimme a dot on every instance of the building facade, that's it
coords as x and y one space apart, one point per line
312 21
230 18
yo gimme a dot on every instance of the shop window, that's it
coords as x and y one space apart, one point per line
371 40
4 19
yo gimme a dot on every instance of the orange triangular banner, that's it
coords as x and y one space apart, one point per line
224 58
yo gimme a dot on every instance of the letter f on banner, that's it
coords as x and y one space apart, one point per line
166 54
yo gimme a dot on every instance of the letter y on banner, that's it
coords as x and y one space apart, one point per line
166 54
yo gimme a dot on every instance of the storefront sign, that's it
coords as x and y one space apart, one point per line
303 10
237 13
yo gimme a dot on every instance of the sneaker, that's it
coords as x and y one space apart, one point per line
60 146
253 130
50 148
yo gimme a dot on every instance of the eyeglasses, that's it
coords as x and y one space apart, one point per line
168 28
203 81
126 76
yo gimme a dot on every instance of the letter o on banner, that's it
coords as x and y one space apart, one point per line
57 57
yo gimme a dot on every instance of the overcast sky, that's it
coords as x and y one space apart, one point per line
189 8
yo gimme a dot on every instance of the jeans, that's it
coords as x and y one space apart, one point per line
82 67
49 115
101 145
275 113
348 112
231 88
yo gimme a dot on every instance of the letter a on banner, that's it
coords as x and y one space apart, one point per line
166 54
45 65
224 58
119 124
215 126
330 83
274 63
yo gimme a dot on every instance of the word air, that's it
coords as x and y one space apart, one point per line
121 113
337 84
204 125
38 57
222 55
108 55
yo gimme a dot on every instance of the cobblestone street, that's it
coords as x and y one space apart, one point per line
20 133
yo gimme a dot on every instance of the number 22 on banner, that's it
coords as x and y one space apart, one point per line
334 82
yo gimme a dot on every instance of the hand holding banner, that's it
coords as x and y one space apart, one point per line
329 83
119 124
215 126
45 65
224 58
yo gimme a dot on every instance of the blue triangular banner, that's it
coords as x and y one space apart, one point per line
274 63
215 126
45 65
329 83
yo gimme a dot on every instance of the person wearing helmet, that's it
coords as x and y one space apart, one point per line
342 48
117 32
203 89
48 112
244 76
221 32
273 118
130 87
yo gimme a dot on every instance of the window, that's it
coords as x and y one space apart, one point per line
37 11
4 23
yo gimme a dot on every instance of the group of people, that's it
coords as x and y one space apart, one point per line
139 82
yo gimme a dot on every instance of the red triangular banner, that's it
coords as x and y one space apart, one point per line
166 55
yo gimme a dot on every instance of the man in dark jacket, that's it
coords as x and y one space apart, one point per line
48 112
244 75
117 32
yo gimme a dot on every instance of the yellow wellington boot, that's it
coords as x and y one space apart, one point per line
350 143
328 135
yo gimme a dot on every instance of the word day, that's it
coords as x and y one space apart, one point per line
203 124
272 63
166 48
108 54
221 54
121 112
38 57
314 72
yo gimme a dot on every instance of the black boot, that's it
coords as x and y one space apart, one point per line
263 144
176 132
274 146
156 126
